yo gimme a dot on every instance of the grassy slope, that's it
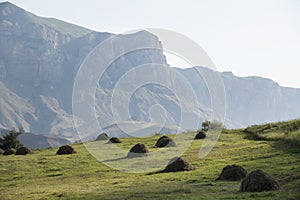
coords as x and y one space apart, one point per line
44 175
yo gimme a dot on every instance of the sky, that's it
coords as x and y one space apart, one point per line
247 37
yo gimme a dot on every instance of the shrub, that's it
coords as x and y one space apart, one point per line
10 140
205 125
214 125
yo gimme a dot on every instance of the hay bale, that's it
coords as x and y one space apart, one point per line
115 140
23 151
138 150
9 151
1 151
165 141
259 181
232 173
102 136
178 164
65 149
200 135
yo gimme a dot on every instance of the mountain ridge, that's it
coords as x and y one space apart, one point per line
39 63
9 8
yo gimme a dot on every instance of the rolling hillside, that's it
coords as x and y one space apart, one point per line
44 175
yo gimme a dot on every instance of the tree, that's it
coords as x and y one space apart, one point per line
10 140
215 125
205 125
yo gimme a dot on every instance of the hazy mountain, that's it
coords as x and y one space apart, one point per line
251 100
41 141
40 57
141 129
35 141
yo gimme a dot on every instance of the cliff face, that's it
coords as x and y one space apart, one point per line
31 47
250 100
40 57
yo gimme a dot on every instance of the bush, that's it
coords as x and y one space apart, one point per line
214 125
10 140
205 125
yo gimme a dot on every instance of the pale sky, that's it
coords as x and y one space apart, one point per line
254 37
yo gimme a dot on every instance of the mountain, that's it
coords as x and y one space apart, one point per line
250 100
141 129
38 141
41 141
40 58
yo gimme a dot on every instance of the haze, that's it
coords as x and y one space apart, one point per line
258 38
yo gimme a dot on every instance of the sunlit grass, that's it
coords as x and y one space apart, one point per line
44 175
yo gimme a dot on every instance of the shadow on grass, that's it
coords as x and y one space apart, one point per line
116 159
286 146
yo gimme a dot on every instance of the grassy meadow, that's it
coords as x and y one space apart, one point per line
45 175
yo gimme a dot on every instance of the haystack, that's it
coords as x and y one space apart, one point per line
165 141
23 151
138 150
259 181
178 164
115 140
232 173
200 135
9 151
102 136
65 149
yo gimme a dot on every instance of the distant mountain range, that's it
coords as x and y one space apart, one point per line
38 141
39 59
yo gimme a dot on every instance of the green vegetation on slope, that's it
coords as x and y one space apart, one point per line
44 175
285 134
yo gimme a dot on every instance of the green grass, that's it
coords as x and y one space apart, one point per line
44 175
286 134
